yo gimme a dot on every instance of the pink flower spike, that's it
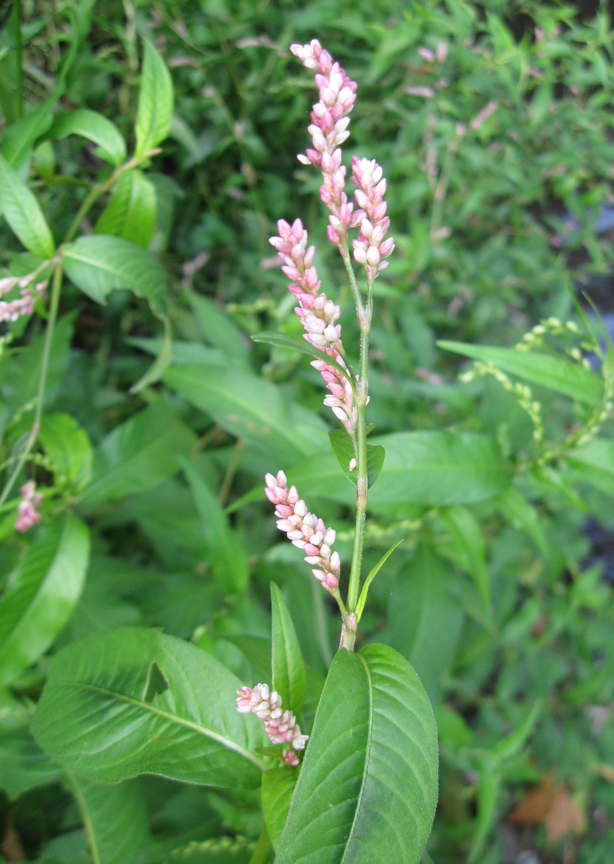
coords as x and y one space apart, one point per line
328 130
280 726
27 510
307 532
370 249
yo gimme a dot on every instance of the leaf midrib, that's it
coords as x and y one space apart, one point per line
365 771
202 730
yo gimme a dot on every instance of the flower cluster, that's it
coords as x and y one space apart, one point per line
280 726
27 511
305 530
318 315
24 304
370 249
328 129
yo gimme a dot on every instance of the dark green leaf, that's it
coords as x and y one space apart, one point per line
219 330
41 594
466 530
139 454
94 720
227 555
289 677
115 819
368 786
425 618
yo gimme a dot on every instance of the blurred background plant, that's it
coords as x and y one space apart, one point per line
493 123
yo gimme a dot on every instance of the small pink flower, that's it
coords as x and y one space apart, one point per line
290 758
305 530
328 129
280 726
418 90
371 248
27 511
482 116
22 305
318 315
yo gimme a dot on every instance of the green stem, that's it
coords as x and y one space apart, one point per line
18 59
261 851
40 397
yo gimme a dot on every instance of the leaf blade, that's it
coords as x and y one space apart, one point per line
23 213
289 675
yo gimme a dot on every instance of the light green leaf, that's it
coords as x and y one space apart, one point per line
68 447
219 330
465 529
19 138
425 618
522 514
96 128
100 717
227 555
98 264
280 340
41 594
344 451
162 361
155 109
251 409
429 468
138 455
23 213
289 676
489 786
277 788
373 573
594 462
131 210
368 785
554 373
115 819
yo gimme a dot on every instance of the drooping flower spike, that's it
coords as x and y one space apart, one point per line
318 315
280 726
10 310
305 530
27 510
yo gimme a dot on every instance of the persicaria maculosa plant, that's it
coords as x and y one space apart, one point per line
359 783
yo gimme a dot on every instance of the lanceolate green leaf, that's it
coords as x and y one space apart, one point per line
155 111
553 372
41 594
23 213
429 468
115 819
250 408
289 677
277 788
98 264
139 454
344 451
466 530
226 552
131 211
368 786
280 340
96 128
134 701
594 462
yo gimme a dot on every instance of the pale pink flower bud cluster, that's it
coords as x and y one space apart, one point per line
482 116
318 315
329 129
430 56
280 726
305 530
371 248
24 304
27 511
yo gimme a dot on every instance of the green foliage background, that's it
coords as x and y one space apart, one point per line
496 596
